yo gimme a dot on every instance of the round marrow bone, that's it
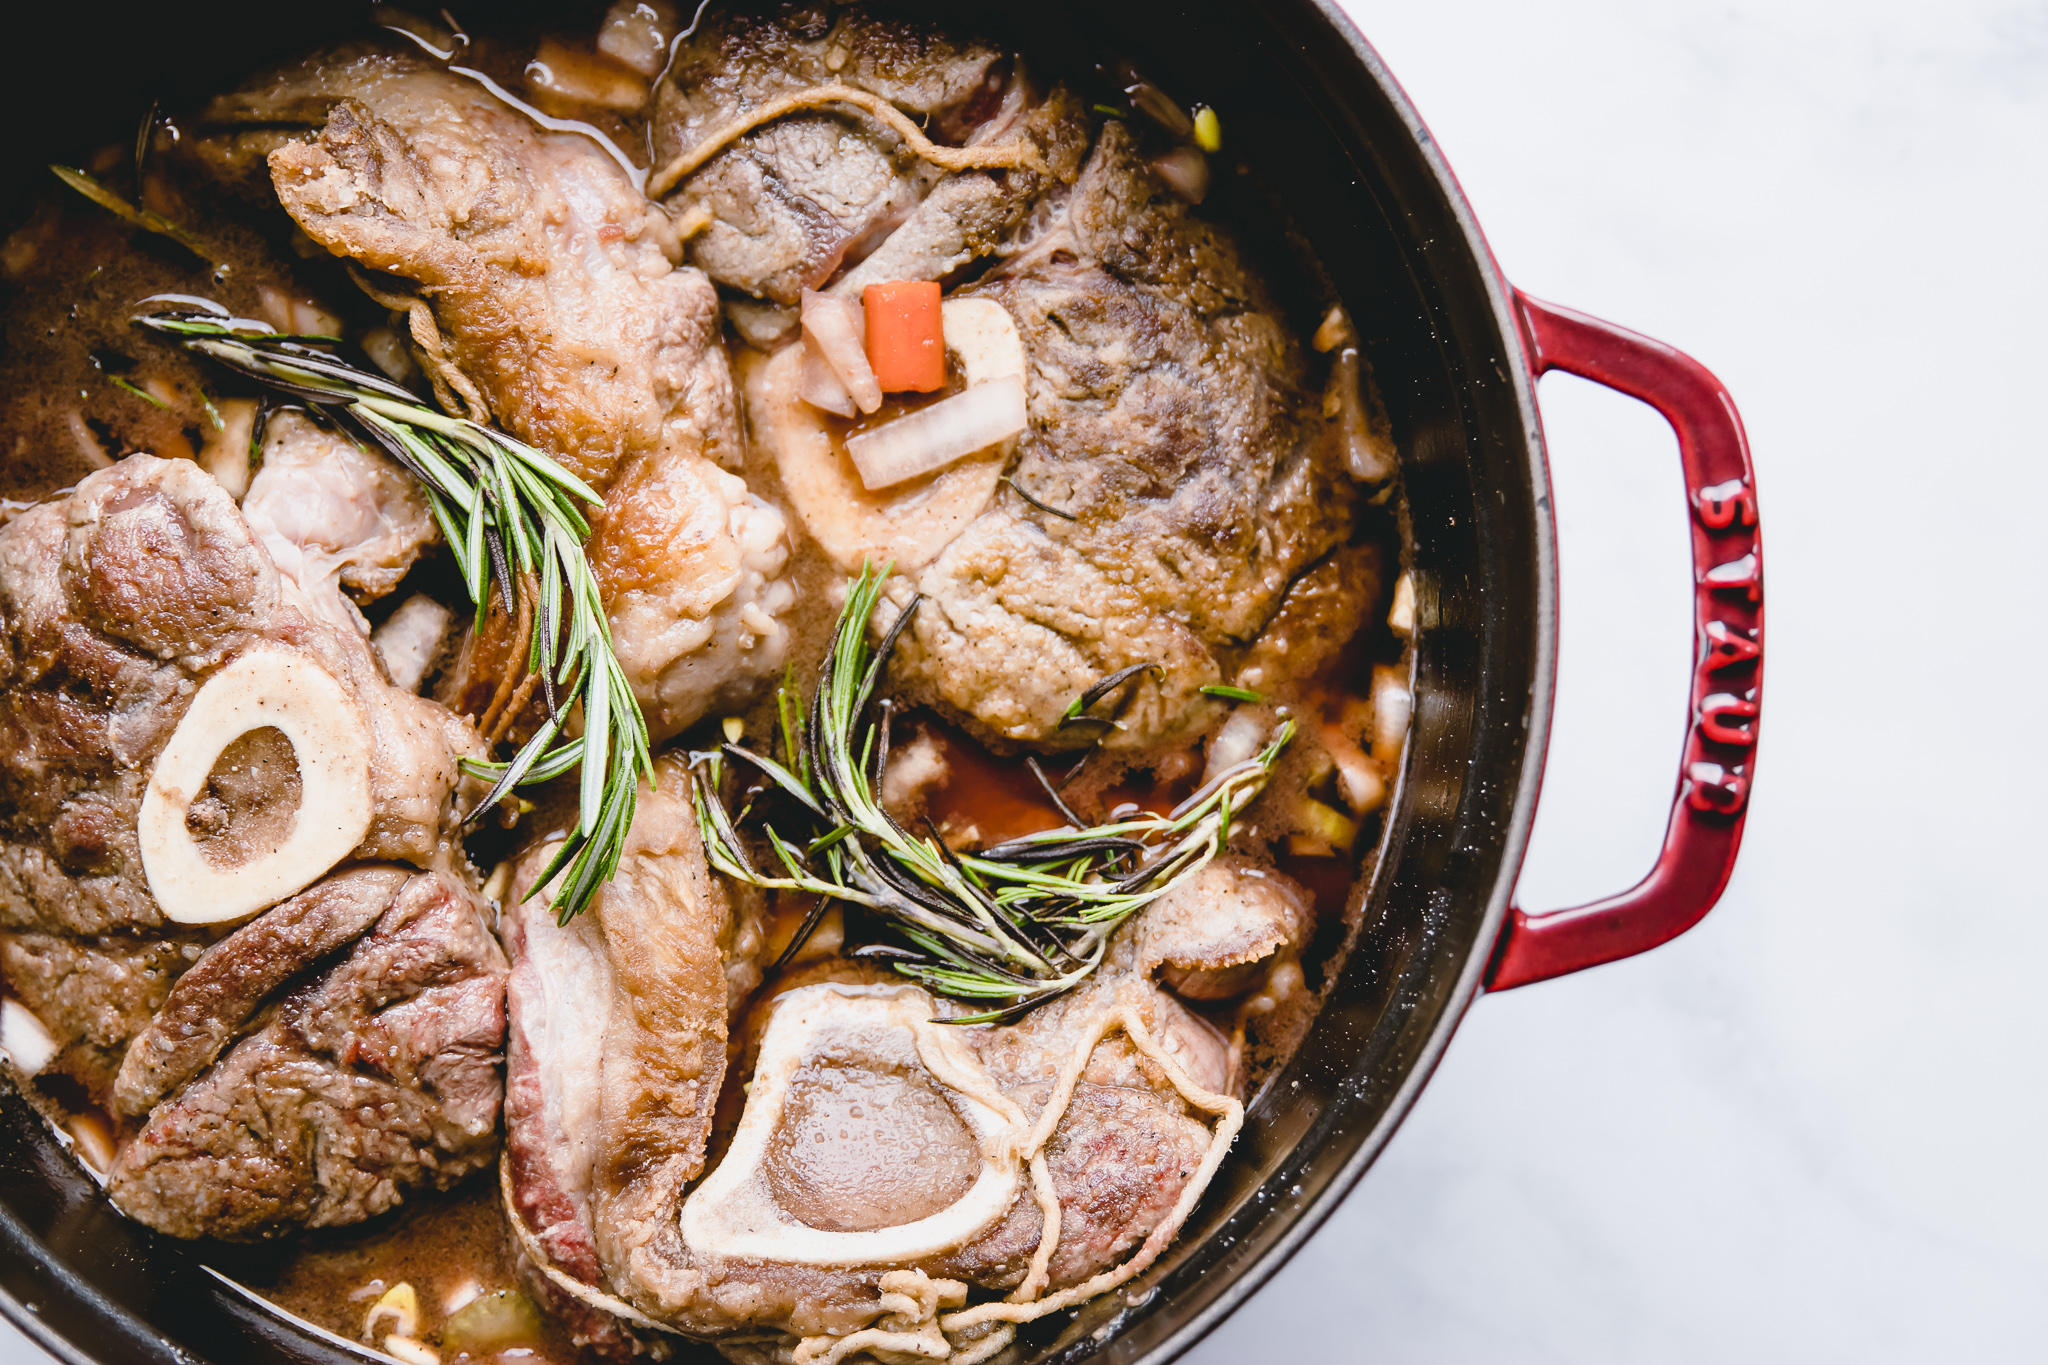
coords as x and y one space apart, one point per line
331 742
733 1213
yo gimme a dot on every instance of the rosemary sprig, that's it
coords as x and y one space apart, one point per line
138 217
511 515
1011 926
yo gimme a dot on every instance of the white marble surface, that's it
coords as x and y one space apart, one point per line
1810 1130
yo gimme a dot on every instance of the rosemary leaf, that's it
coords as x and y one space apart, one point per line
1017 924
129 213
1077 709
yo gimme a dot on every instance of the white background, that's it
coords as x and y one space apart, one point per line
1811 1130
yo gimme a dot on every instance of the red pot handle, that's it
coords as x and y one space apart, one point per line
1719 761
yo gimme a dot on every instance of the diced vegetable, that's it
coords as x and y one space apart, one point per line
411 1350
398 1310
1240 740
1359 779
1283 982
932 438
1368 454
836 327
92 1140
295 314
1401 615
1335 330
1391 704
227 452
636 33
981 333
493 1322
1326 825
906 341
1185 171
1155 104
24 1039
818 386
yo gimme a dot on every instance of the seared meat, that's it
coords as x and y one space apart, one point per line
335 515
95 994
366 1081
1212 937
1171 415
117 603
1127 1143
550 278
881 1155
691 564
974 214
225 986
793 201
551 284
618 1049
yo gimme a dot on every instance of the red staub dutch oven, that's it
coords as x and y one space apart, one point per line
1344 160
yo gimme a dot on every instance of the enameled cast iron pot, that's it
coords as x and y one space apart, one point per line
1456 351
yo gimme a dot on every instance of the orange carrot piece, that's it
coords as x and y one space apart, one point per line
906 341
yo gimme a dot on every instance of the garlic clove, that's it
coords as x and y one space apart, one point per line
331 743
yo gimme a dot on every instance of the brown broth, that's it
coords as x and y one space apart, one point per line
449 1248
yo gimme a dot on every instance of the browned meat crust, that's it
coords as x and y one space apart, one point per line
225 986
791 202
373 1079
618 1050
1172 417
548 297
549 276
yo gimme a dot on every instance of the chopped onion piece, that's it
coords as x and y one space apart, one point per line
1367 453
1239 741
1401 616
932 438
1185 171
24 1039
226 455
1359 779
838 328
490 1323
1335 331
1324 829
411 639
398 1310
819 387
1149 100
1392 705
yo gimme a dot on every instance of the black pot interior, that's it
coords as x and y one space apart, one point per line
1332 146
